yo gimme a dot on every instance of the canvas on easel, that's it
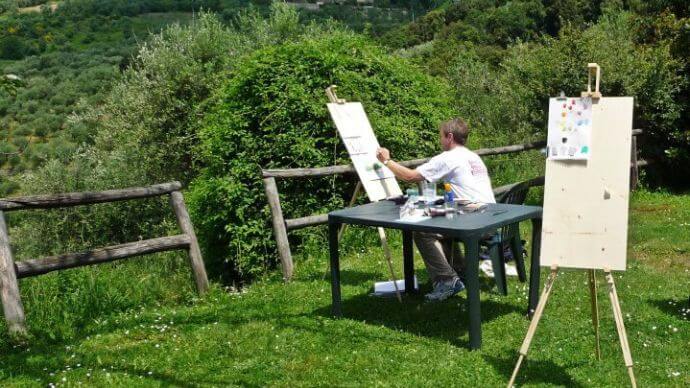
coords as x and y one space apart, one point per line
586 195
359 139
586 201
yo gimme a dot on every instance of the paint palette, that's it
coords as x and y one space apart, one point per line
570 128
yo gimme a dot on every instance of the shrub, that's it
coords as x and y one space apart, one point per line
272 113
509 103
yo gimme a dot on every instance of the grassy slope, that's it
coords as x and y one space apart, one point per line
283 335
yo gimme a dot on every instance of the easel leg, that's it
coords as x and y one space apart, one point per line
355 195
622 336
387 252
535 321
595 309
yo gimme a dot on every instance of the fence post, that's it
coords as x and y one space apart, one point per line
279 228
9 288
195 259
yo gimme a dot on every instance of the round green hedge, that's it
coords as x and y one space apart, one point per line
271 113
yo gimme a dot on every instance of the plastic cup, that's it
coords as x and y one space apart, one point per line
429 191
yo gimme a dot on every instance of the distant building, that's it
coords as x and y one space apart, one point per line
315 6
307 6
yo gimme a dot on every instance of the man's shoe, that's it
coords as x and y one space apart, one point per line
444 290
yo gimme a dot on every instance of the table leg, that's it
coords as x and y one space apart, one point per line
472 280
408 261
535 267
333 229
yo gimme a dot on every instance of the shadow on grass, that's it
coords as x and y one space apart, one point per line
676 308
447 320
352 277
533 372
348 277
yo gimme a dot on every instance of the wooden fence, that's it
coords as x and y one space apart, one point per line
10 270
281 226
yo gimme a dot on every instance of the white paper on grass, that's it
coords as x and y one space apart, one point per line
356 132
570 129
388 289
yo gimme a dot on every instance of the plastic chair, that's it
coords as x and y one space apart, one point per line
508 237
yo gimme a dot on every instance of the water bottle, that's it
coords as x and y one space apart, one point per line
449 199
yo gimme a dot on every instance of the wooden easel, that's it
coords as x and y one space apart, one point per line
332 97
593 70
617 315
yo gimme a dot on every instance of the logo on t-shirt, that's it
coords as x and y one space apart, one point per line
478 168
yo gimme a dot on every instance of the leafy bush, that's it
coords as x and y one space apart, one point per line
271 113
508 103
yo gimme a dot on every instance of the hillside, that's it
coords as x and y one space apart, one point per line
65 62
68 59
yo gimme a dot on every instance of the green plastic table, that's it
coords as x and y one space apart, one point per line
468 228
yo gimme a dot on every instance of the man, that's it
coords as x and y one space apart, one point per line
469 180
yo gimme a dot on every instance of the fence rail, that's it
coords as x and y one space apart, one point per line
10 270
86 198
345 169
281 226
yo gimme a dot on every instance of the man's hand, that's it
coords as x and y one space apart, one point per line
400 171
382 154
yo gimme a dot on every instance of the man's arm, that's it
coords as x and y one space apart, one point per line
401 172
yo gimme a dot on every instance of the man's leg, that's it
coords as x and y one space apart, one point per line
433 248
455 258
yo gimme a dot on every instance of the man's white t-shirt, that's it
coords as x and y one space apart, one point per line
465 172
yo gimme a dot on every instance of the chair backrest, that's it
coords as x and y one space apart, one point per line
515 196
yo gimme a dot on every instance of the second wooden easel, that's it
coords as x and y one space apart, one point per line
586 201
333 98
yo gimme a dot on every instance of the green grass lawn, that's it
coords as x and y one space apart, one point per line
275 334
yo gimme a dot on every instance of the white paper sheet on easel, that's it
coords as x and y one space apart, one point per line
570 129
356 132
